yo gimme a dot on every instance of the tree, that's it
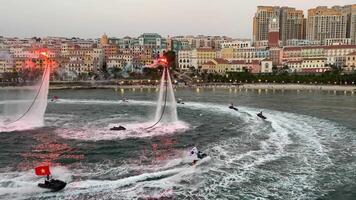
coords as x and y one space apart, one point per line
171 59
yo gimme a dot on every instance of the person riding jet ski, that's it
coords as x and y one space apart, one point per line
124 100
197 155
53 184
233 107
54 98
260 115
180 101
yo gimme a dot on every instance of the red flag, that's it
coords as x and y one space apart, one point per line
42 170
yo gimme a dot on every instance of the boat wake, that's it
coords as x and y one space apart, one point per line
21 185
287 156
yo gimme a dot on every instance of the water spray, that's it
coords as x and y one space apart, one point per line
165 72
164 63
46 70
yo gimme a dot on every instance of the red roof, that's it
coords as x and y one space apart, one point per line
340 47
221 61
292 61
205 49
256 62
352 54
315 59
320 47
238 62
209 63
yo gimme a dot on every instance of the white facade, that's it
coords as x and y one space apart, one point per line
236 44
266 66
184 59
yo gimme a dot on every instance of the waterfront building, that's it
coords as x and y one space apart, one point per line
353 24
236 44
338 41
6 64
275 55
326 23
223 66
261 22
350 62
250 54
152 40
115 62
184 59
201 56
336 55
266 66
292 24
296 42
110 50
314 65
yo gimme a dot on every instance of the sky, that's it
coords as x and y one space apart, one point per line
119 18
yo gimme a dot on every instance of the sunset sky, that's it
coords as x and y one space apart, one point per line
91 18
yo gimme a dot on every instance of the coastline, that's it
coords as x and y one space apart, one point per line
259 86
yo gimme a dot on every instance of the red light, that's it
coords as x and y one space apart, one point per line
163 60
43 53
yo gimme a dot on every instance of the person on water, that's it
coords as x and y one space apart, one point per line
232 107
196 154
180 101
260 113
47 180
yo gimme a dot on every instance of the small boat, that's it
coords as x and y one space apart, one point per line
53 184
118 128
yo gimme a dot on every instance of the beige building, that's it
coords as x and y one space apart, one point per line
326 23
6 65
104 40
221 66
314 65
292 24
261 22
351 62
202 55
352 22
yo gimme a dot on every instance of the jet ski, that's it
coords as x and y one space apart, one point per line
53 184
260 115
55 98
118 128
180 101
199 155
232 107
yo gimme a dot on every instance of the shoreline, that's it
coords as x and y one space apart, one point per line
259 86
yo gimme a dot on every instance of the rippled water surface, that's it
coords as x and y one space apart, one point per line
304 150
